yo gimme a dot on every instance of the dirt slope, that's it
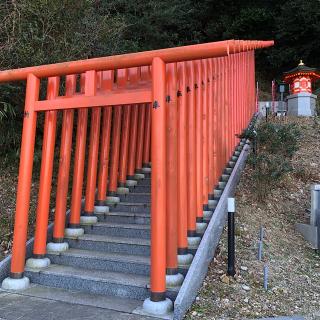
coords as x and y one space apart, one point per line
294 268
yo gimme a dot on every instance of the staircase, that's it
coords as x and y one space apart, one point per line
113 256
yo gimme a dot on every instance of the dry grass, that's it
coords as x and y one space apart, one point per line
294 278
8 185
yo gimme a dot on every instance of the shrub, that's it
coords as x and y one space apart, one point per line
275 145
268 170
278 138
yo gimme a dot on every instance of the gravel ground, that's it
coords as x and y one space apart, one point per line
294 278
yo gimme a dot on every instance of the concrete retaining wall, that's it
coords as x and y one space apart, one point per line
209 242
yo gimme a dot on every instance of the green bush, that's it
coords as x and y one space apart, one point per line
275 145
278 138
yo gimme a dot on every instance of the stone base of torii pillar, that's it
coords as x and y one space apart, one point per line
302 104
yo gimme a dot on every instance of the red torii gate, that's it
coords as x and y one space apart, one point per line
180 108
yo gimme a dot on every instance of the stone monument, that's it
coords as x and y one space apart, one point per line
301 101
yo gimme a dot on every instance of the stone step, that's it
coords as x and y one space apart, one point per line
144 182
130 207
84 299
107 261
136 197
95 281
124 217
98 260
146 174
106 243
119 229
224 177
140 189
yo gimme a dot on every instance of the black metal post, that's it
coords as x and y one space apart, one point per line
231 238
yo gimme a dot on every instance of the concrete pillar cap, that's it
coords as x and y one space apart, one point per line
139 176
131 183
57 247
38 263
112 200
15 284
73 232
201 227
88 220
146 170
184 260
122 190
101 209
159 308
207 214
174 280
193 241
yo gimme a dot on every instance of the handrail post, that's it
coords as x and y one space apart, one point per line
125 132
145 76
210 129
215 123
40 239
205 135
158 303
131 174
147 136
199 141
87 215
220 118
114 158
224 115
133 144
173 278
17 281
184 257
192 237
104 156
122 82
229 109
106 85
140 138
78 171
234 114
112 198
58 244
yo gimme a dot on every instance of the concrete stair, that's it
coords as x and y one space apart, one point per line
106 261
140 188
119 229
136 196
140 207
112 257
95 281
106 243
124 217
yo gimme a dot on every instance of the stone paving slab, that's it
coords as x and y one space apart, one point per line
78 297
14 306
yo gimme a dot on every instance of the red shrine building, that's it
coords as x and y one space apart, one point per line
301 101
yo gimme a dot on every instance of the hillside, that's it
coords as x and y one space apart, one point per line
294 278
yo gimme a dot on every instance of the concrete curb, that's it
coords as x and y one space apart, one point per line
209 242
